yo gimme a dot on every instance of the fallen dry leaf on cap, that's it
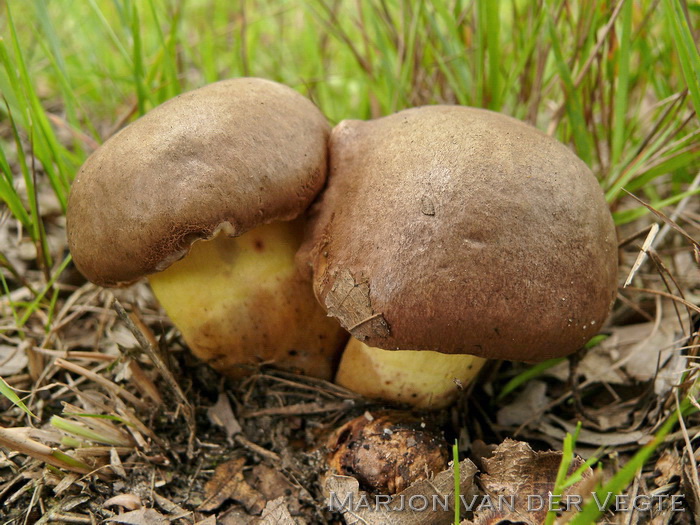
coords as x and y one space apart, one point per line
141 517
343 494
524 478
227 483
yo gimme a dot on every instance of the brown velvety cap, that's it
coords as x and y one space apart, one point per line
462 231
231 155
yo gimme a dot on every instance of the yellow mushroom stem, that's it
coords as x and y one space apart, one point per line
422 378
241 300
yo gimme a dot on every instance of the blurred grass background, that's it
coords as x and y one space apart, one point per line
615 79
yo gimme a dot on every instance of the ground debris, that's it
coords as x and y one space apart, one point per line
229 483
141 517
426 502
277 513
524 479
128 501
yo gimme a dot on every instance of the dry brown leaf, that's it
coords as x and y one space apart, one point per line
115 463
141 517
227 483
614 416
667 467
235 516
690 490
524 480
271 482
13 359
531 402
406 508
557 428
173 509
276 513
632 352
128 501
222 415
66 482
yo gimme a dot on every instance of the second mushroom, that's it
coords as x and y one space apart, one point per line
205 194
448 235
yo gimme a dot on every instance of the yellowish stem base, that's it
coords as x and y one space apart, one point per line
423 379
241 301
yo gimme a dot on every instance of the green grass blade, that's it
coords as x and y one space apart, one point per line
592 510
70 461
108 27
7 391
139 72
9 195
540 368
627 216
574 104
87 433
529 374
622 84
457 480
567 457
31 308
686 48
46 146
491 10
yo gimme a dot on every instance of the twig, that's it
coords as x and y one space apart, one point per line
150 349
665 294
689 447
257 449
589 62
109 385
643 253
301 409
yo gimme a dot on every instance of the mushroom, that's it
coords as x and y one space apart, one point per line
448 235
387 451
204 195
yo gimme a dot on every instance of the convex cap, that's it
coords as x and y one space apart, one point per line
231 155
461 230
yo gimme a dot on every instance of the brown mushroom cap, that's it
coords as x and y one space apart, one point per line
231 155
461 230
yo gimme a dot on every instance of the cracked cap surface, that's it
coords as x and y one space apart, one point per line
461 230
